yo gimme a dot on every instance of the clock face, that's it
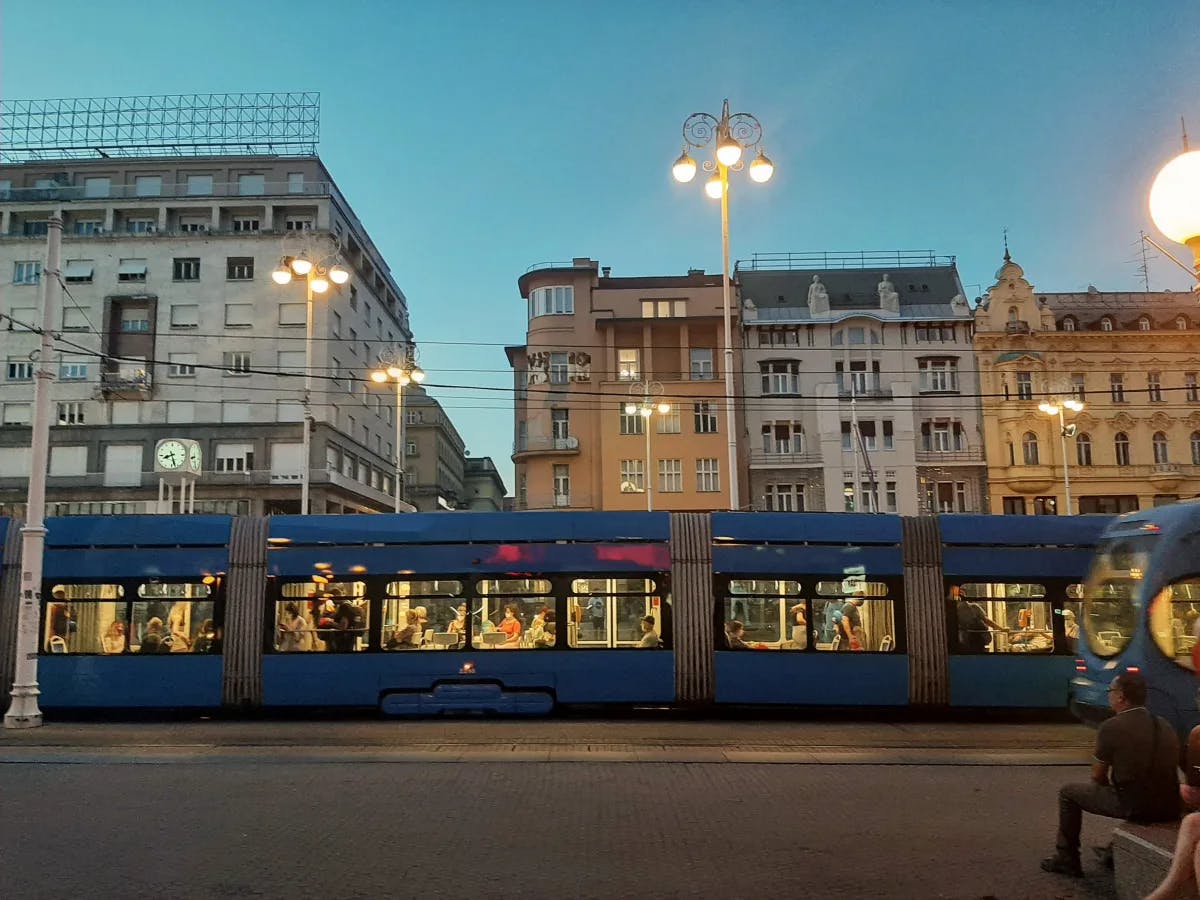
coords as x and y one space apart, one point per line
194 457
171 454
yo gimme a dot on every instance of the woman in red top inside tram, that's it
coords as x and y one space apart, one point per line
511 626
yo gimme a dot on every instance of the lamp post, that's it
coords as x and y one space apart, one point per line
646 406
730 134
1057 407
23 710
317 277
1175 206
402 368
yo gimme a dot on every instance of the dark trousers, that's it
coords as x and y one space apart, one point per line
1076 799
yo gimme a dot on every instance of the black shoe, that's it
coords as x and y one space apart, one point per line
1105 855
1063 865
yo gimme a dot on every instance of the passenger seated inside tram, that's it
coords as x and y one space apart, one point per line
114 637
208 638
293 630
459 624
541 629
735 633
511 626
800 628
1071 629
649 638
408 637
152 638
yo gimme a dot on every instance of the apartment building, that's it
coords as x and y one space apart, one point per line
1130 359
881 341
595 343
171 326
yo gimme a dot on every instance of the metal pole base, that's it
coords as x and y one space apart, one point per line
24 711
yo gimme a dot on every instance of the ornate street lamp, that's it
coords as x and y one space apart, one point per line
1175 206
1057 407
399 366
645 399
729 135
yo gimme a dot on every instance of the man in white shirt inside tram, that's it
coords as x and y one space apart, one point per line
851 626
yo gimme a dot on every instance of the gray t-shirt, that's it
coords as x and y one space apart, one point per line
1143 752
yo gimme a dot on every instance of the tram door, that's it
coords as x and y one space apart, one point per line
610 615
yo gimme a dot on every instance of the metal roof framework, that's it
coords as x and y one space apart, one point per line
166 125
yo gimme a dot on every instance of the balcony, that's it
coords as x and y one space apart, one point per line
562 501
547 446
126 382
1016 327
1031 479
170 190
761 459
940 457
1166 475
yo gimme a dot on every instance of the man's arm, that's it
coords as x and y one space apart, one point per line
1100 772
1102 758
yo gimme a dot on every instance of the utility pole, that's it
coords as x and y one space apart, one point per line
24 712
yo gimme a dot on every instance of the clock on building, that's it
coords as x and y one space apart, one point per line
170 455
195 457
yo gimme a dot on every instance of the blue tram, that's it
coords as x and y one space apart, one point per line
1141 612
521 612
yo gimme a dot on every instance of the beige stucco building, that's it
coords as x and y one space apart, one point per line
1132 359
593 343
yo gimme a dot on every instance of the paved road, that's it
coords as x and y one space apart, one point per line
321 809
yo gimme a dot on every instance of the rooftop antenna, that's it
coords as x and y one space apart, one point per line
1144 269
1183 128
1007 258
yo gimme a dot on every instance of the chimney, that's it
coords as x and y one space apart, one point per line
606 271
695 271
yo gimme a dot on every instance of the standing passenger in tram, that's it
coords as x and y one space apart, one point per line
852 628
293 630
974 627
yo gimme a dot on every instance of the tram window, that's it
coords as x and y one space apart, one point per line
852 587
321 616
508 622
171 618
854 622
515 586
85 618
439 588
1071 613
749 586
1175 621
1109 617
999 617
433 622
611 615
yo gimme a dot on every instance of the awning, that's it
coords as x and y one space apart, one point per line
78 269
129 267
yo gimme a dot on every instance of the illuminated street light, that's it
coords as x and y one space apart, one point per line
1175 206
401 367
1057 407
730 135
646 405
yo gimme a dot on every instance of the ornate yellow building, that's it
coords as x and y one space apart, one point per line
1131 359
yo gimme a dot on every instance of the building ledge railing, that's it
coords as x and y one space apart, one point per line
569 444
843 259
171 191
950 456
763 458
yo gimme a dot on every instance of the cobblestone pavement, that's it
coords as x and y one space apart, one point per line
553 830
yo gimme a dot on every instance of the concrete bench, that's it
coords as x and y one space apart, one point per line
1141 857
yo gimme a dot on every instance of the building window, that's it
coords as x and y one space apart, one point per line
1181 323
1014 506
705 417
890 495
239 315
20 369
72 370
560 424
1106 324
147 185
562 485
1029 448
1154 387
1159 444
783 437
708 475
141 226
1108 505
185 315
234 458
552 301
668 423
784 497
27 272
664 309
670 476
629 367
35 227
239 268
236 363
186 269
1191 390
1068 324
1116 386
135 319
1121 448
632 423
336 324
295 183
292 314
1196 448
939 375
292 362
78 271
298 223
131 270
1083 449
199 185
633 476
70 414
889 439
780 377
1143 324
96 188
85 227
250 185
192 226
1045 506
1024 385
17 413
181 365
702 363
942 436
559 368
353 342
1078 386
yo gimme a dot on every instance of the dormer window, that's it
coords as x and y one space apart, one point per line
1106 324
1144 324
1068 324
1012 314
1181 323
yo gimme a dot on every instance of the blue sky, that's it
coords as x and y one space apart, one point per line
476 138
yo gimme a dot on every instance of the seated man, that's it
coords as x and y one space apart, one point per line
1133 777
649 637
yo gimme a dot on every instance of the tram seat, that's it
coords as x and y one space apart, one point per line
442 639
836 642
57 644
494 638
886 643
429 632
1109 636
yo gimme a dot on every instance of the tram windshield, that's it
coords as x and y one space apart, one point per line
1110 594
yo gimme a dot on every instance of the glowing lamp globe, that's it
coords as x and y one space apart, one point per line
301 265
1049 409
282 275
1175 198
684 168
418 374
338 275
394 372
762 168
729 151
630 409
320 284
713 188
379 377
664 408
